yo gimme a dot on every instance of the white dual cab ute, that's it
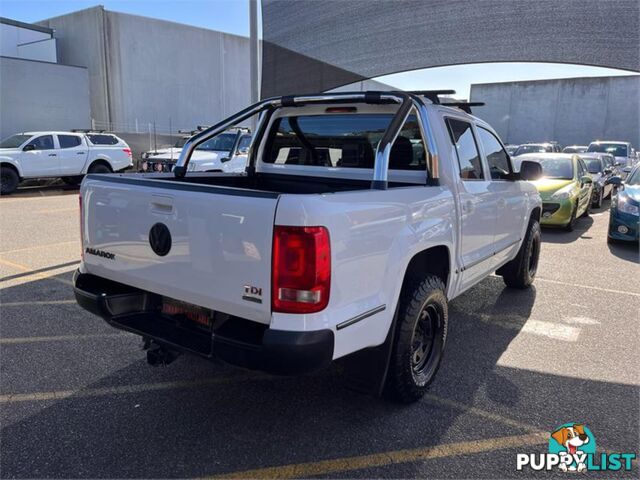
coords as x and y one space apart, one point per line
359 217
66 155
226 152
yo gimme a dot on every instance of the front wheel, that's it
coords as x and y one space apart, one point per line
521 271
9 180
598 202
572 220
421 333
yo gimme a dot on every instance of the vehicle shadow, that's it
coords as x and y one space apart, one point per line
254 421
559 235
629 251
37 188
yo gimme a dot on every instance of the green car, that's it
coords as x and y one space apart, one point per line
565 188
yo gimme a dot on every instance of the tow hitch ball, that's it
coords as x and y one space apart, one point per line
157 355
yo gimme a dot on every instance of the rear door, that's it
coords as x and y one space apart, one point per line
477 203
72 153
219 241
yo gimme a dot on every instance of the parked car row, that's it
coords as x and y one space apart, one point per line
572 184
66 155
623 152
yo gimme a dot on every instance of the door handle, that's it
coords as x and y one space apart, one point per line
53 155
161 207
80 153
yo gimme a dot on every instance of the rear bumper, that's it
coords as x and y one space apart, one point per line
231 339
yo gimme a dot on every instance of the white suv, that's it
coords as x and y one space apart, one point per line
68 155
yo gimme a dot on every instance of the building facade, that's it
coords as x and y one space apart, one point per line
147 74
572 111
37 92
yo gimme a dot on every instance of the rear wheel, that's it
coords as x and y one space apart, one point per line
521 271
421 332
9 179
99 168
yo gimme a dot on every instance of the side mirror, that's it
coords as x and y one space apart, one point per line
530 171
28 148
225 159
615 181
608 170
586 179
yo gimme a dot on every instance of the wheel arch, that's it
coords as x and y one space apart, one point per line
536 214
435 260
11 165
100 161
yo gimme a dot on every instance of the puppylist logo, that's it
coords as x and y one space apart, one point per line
572 448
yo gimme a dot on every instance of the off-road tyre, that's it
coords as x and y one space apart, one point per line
10 180
521 271
420 337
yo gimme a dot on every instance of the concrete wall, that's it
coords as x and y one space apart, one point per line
144 70
363 86
42 96
570 111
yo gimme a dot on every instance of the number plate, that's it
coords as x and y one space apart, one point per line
199 315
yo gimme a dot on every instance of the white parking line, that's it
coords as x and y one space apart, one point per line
555 331
36 247
58 338
609 290
43 302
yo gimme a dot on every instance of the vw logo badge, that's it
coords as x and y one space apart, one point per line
160 239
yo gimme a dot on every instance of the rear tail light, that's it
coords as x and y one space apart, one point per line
301 271
128 152
81 229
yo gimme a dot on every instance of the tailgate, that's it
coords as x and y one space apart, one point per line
196 243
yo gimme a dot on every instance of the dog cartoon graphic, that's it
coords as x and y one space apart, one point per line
572 438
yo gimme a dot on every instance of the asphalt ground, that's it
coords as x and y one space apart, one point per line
77 399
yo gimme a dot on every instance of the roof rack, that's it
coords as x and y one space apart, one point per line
86 130
432 94
464 106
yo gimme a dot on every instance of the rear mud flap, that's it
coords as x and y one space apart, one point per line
366 370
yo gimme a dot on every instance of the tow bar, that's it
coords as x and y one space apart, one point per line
157 355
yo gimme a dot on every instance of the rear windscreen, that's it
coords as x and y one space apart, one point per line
347 141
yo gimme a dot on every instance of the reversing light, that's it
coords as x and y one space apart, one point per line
301 269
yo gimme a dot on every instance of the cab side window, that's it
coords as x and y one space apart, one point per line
43 142
464 140
69 141
497 158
